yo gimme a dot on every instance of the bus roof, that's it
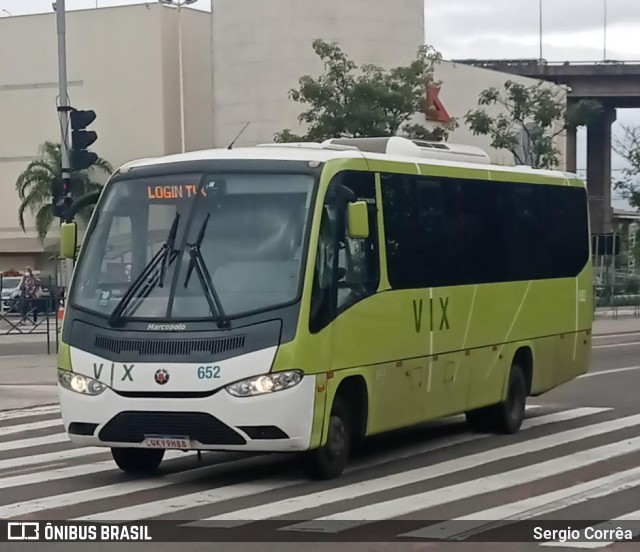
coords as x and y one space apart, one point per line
327 151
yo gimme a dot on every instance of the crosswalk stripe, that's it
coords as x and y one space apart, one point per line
69 472
123 488
10 430
529 423
462 527
192 500
409 504
49 457
363 488
28 412
35 442
612 524
119 489
210 496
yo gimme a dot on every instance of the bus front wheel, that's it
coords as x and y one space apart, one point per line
506 416
330 460
136 460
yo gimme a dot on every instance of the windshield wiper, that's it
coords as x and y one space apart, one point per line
168 245
165 257
197 262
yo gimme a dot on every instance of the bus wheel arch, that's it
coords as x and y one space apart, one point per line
353 390
507 416
524 359
346 426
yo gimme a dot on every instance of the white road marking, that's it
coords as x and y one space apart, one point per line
612 371
192 500
48 457
363 488
615 345
409 504
10 430
68 473
465 526
35 442
28 412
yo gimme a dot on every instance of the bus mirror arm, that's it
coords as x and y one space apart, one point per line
81 203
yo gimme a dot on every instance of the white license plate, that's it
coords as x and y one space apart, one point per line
163 442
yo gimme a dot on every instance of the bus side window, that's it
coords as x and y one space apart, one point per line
357 273
358 266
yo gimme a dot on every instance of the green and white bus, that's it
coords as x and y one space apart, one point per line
300 297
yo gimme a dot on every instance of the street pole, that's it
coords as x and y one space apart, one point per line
540 20
605 31
181 75
63 108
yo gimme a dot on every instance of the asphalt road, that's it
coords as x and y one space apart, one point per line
576 458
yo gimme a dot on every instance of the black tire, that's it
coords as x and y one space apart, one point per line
137 461
330 460
506 416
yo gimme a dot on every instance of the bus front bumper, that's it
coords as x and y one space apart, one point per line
275 422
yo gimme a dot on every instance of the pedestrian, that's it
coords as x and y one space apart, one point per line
30 291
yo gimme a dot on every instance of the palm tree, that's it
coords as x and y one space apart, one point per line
35 182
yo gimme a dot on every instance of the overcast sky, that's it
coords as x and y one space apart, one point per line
571 30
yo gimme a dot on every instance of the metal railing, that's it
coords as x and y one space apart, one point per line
37 316
616 298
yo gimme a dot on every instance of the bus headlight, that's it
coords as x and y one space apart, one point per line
267 383
79 383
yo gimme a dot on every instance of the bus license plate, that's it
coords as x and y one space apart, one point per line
167 442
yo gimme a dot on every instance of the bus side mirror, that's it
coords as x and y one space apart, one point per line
357 220
68 238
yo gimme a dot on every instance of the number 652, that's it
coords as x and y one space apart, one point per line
208 372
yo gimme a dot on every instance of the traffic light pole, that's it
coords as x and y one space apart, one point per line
63 108
63 112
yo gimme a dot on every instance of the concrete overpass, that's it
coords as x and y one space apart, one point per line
615 85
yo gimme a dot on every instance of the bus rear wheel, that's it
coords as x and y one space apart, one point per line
506 416
136 460
330 460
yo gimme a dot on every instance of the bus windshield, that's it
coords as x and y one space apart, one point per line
250 227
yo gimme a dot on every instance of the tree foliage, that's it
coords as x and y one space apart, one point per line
628 147
536 113
35 182
350 101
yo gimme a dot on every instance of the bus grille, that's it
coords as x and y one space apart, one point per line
132 426
169 347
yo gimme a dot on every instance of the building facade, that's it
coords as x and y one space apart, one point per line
121 62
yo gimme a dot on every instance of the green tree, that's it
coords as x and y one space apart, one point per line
34 186
349 101
628 147
534 116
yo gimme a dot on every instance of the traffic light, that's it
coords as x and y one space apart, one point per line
81 139
61 198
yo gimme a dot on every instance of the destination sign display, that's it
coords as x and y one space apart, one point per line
174 191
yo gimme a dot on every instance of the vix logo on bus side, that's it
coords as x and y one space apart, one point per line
441 307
